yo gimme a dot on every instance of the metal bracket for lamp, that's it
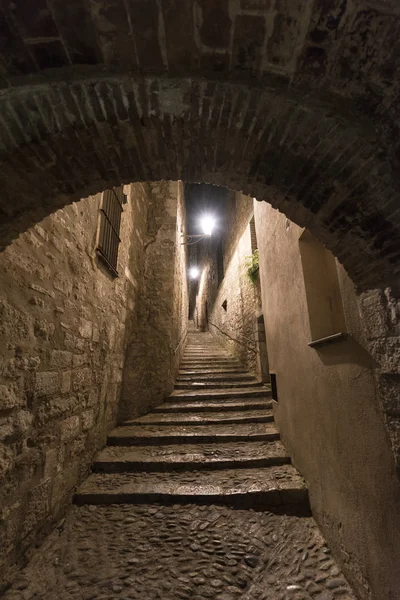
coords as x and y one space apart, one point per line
197 238
207 223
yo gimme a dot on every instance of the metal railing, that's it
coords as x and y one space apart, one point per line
254 350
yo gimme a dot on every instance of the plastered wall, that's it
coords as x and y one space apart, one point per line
329 416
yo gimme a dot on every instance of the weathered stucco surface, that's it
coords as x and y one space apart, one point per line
158 326
330 416
65 323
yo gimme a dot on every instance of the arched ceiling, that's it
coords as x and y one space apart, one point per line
292 101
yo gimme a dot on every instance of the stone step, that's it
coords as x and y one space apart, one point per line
184 457
215 385
212 364
186 371
206 354
136 435
198 368
268 486
200 360
218 406
210 394
205 418
204 349
219 377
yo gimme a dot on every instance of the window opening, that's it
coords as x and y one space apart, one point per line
324 300
225 305
253 235
110 223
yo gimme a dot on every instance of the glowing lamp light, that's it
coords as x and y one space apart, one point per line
207 223
194 272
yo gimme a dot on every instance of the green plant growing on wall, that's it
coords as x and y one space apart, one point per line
252 266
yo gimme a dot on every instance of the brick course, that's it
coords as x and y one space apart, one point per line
295 105
321 171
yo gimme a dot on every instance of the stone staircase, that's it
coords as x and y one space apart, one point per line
195 501
212 441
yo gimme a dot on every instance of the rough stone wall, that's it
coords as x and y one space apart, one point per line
380 310
62 325
75 139
293 101
181 288
65 323
157 329
329 411
235 326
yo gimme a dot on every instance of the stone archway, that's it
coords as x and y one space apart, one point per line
325 171
294 101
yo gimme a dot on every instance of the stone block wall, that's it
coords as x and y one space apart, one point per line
329 409
65 323
62 322
380 310
181 288
157 329
235 302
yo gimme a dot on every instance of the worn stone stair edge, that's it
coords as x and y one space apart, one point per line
212 359
256 392
159 466
191 418
195 384
132 439
221 404
127 462
272 499
211 377
209 423
200 407
209 369
271 485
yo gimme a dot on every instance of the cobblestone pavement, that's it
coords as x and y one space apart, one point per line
179 507
187 552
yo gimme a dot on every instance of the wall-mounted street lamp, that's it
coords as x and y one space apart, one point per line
207 224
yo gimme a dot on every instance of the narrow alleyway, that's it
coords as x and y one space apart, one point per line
196 500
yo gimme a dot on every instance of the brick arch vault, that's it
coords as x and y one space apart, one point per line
63 140
294 102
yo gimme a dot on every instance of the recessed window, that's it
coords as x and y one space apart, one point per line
225 305
110 223
325 308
